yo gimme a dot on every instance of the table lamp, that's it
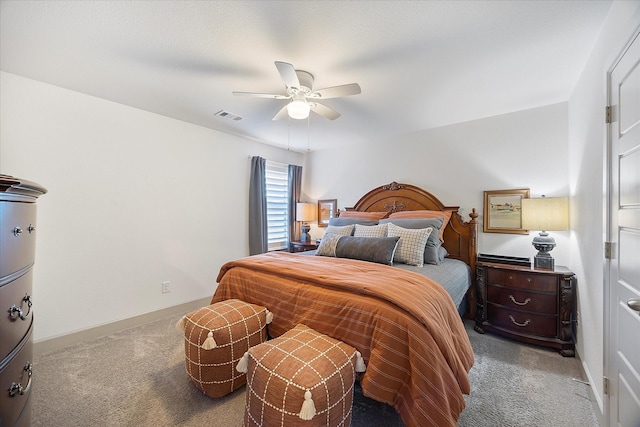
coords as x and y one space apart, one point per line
305 212
544 214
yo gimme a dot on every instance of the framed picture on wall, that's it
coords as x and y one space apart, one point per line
326 210
502 211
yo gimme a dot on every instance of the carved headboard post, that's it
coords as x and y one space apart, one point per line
473 253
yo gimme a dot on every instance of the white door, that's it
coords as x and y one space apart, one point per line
624 277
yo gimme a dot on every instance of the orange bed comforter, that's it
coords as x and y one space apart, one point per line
406 326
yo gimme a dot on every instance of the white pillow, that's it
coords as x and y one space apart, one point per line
411 245
379 230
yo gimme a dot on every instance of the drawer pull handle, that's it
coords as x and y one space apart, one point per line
527 301
16 388
15 311
17 231
522 325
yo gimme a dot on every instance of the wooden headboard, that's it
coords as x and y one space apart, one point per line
460 237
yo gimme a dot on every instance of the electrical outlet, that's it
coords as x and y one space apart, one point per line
166 287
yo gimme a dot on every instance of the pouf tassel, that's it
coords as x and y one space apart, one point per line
181 324
308 409
209 343
243 363
360 366
269 317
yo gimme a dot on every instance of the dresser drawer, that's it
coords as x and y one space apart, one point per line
522 321
12 328
16 376
522 280
17 236
523 300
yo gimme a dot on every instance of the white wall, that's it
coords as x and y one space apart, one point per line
134 199
587 138
525 149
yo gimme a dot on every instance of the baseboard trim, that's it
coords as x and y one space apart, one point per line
596 402
56 343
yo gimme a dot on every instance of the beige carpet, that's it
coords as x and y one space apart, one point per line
137 378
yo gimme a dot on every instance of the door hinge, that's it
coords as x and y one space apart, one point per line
606 385
607 114
608 250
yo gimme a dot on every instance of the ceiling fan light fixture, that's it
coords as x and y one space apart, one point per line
298 109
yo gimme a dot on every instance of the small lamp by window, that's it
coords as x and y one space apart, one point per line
545 214
305 212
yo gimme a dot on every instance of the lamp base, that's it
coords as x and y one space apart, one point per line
545 261
544 244
304 235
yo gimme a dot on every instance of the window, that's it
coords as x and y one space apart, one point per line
277 205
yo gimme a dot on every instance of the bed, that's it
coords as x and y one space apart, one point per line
406 325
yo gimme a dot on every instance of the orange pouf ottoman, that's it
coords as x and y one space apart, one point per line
302 378
216 337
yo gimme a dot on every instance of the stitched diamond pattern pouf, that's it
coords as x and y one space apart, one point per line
302 378
216 337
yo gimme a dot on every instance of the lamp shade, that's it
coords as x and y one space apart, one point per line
545 213
298 109
305 212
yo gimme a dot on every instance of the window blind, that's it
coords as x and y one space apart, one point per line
277 176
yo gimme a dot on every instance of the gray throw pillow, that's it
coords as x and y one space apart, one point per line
372 249
351 221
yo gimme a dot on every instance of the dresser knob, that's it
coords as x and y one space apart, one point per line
31 228
17 231
16 388
529 279
15 311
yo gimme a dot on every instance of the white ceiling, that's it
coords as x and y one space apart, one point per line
420 64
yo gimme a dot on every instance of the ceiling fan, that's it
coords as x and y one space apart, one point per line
303 99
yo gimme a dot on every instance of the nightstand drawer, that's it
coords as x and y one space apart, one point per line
522 300
522 321
522 280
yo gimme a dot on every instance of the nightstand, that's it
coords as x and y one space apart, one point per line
531 305
298 246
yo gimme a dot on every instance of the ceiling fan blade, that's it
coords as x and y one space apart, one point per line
324 111
262 95
288 74
281 114
337 91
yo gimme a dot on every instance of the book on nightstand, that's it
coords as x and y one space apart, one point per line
503 259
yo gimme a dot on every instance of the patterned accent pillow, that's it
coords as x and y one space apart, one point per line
370 230
433 242
411 245
345 230
328 245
